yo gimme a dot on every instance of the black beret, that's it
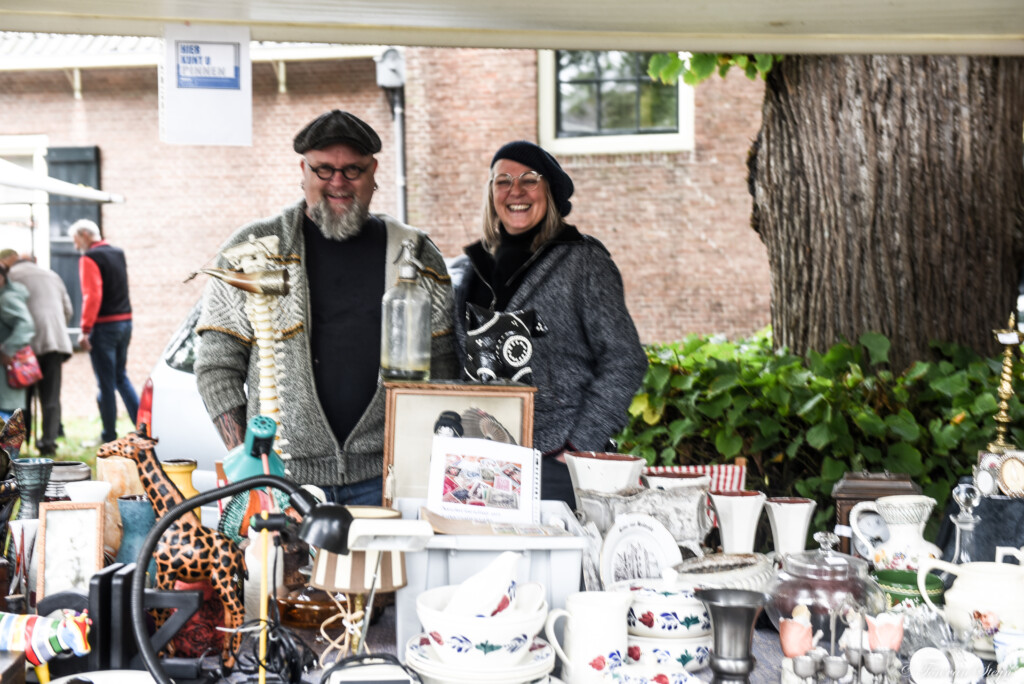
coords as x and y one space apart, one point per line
337 127
529 154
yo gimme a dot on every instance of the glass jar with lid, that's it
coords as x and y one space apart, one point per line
828 583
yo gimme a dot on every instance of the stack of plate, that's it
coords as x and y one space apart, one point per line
420 657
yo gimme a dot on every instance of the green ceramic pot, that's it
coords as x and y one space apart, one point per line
901 585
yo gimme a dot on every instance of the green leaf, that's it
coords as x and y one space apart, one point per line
728 442
868 422
904 425
764 63
714 408
831 469
658 377
722 383
904 458
951 385
679 429
702 65
984 405
877 346
820 435
683 382
810 404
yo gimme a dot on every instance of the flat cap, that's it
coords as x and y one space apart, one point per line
538 159
337 127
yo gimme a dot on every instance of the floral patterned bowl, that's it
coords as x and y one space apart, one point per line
664 612
488 642
689 653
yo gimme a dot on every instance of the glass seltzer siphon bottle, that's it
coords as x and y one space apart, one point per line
405 324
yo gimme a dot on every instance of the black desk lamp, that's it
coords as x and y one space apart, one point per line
324 526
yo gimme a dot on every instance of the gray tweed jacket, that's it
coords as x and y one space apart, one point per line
227 358
590 363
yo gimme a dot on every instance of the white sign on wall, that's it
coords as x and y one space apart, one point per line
206 86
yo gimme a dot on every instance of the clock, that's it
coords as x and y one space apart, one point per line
853 488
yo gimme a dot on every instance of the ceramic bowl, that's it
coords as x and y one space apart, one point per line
900 587
87 491
690 653
488 642
649 674
603 472
662 611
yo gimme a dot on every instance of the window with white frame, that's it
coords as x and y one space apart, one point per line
601 102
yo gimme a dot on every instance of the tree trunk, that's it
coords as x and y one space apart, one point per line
889 191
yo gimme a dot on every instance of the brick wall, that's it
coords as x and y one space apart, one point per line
676 224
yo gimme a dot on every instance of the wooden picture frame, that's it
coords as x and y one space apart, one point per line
412 410
70 546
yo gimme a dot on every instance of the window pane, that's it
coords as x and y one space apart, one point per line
577 109
658 106
618 107
574 65
617 65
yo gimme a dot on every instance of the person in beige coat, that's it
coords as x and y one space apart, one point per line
51 309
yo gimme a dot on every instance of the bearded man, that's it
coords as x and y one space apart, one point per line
340 260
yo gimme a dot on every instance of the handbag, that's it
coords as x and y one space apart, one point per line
23 370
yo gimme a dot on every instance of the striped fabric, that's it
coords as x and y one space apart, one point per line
724 478
353 573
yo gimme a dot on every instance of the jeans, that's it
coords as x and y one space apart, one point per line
366 493
109 356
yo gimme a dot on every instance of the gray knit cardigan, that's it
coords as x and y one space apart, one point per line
590 363
227 358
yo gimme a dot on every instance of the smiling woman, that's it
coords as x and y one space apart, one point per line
587 360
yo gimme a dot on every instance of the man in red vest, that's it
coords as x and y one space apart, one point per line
106 321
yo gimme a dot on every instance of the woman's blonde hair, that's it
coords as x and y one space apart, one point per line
551 224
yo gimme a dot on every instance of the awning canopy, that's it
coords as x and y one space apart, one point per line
985 27
15 176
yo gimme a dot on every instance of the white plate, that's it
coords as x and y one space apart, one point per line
637 547
420 657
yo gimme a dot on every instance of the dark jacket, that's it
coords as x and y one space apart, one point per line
590 363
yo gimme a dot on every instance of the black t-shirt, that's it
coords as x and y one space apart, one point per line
346 285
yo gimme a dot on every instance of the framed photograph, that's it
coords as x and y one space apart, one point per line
70 546
416 411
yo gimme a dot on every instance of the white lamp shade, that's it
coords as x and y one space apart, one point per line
353 573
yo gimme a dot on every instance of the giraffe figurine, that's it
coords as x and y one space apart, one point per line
187 551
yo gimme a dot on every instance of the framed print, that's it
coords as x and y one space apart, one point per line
484 480
70 546
416 411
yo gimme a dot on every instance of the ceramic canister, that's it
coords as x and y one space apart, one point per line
900 587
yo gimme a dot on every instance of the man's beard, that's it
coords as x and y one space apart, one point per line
341 226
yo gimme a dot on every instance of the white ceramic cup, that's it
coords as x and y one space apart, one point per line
594 638
738 512
790 516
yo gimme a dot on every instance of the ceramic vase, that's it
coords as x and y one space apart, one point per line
63 472
180 471
738 512
137 519
789 516
32 474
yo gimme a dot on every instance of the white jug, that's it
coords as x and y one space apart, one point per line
594 639
905 515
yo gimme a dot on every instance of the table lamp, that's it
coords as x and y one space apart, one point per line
356 575
324 526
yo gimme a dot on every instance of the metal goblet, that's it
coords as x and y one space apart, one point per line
876 663
804 666
836 667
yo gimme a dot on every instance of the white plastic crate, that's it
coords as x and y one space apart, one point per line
555 562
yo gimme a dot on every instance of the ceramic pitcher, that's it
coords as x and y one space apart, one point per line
990 594
905 515
738 512
594 639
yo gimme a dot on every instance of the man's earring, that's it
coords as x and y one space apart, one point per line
376 187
